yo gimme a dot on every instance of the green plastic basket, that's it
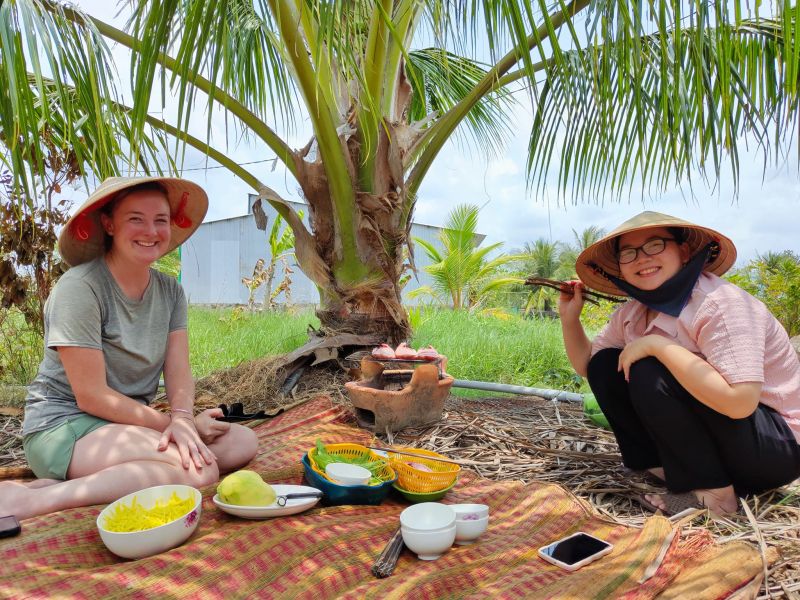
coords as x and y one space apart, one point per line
592 411
423 496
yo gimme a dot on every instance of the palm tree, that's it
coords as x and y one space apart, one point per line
542 258
463 275
660 90
582 240
777 262
587 237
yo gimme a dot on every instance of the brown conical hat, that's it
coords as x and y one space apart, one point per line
81 239
601 258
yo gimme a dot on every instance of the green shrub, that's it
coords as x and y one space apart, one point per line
774 278
595 316
21 348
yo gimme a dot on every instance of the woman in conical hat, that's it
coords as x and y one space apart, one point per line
113 326
699 382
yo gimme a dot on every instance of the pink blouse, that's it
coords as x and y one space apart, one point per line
731 330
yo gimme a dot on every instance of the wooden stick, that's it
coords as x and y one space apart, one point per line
566 288
387 561
444 460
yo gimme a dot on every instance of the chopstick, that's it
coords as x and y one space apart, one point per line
387 561
566 288
444 460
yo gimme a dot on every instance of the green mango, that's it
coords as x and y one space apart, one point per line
245 488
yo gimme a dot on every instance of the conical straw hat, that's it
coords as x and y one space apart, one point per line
601 258
82 238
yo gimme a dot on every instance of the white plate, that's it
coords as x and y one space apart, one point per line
293 506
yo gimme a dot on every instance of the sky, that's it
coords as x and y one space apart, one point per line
764 216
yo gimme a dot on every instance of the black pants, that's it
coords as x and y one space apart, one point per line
657 423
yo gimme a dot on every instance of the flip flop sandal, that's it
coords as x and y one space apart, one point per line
675 503
236 413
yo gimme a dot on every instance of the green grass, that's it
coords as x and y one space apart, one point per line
483 348
514 350
220 338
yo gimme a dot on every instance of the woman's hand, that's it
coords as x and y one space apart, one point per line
208 427
183 433
645 346
570 304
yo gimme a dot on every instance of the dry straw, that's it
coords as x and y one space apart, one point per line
534 439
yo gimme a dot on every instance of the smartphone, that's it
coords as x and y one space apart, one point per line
575 551
9 526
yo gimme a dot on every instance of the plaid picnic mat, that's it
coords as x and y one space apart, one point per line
328 552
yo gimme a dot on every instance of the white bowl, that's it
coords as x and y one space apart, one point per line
347 474
470 512
428 517
469 531
138 544
429 545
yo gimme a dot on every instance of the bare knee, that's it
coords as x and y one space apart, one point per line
199 478
236 448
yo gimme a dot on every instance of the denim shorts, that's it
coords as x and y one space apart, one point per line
49 452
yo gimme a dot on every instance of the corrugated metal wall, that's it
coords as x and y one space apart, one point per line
221 253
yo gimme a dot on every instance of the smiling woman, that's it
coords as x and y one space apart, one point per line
142 222
699 382
113 326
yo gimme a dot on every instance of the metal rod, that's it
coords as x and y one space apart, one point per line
286 497
444 460
518 389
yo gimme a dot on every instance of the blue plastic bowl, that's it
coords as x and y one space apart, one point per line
336 494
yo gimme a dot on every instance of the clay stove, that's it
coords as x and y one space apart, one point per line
394 398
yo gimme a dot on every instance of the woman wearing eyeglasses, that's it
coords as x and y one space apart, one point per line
699 382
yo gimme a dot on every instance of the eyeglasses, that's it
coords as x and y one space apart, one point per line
650 247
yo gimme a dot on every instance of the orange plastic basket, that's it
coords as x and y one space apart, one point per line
351 451
440 477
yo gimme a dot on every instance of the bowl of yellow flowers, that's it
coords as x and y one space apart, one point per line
150 521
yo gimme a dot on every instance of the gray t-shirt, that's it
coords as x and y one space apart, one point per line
87 309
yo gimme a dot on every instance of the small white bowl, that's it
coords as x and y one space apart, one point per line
469 531
138 544
470 512
428 517
429 545
347 474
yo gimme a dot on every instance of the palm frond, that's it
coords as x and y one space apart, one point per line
441 79
588 236
424 291
461 271
234 45
56 80
662 95
459 230
497 283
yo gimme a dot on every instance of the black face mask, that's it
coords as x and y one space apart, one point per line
672 295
